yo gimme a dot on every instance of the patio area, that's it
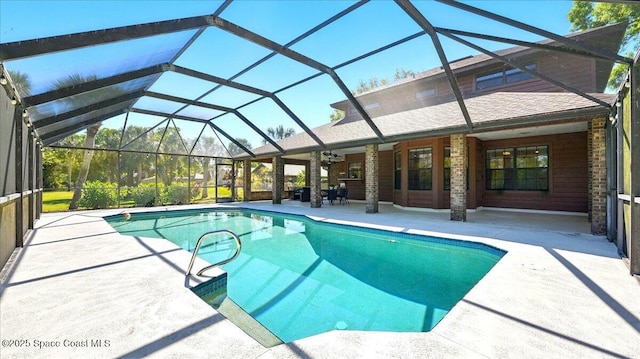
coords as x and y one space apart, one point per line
79 289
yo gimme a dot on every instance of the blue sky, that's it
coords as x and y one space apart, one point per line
219 53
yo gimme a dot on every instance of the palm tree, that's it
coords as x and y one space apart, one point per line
206 145
233 149
279 133
90 140
21 82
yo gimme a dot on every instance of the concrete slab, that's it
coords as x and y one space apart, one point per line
79 289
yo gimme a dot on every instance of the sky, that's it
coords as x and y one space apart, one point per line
222 54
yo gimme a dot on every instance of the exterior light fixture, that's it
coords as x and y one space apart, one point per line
25 114
3 80
14 101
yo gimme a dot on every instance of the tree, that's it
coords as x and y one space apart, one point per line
586 15
401 74
233 149
170 167
369 85
54 164
106 162
77 101
21 82
337 115
301 178
279 132
89 143
373 82
206 145
140 163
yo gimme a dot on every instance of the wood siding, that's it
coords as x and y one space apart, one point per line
355 187
567 175
385 176
568 182
582 76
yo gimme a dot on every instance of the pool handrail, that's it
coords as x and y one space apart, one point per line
197 248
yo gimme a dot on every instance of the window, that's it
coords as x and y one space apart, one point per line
447 169
354 170
521 168
420 163
430 92
502 77
397 174
371 106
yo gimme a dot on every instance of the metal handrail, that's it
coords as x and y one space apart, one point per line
197 248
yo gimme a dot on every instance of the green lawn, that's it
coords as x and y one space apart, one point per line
56 201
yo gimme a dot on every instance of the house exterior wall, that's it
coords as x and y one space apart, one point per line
568 178
385 176
357 187
437 197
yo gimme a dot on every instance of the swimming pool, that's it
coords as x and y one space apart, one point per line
299 277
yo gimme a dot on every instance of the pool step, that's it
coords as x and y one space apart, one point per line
247 323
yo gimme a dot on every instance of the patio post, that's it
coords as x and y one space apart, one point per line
371 178
458 177
246 183
278 179
315 175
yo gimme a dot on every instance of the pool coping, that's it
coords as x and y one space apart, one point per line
525 306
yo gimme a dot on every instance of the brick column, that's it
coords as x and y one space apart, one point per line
589 174
278 179
458 178
371 178
333 173
598 188
314 178
246 183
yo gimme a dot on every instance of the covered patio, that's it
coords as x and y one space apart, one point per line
558 292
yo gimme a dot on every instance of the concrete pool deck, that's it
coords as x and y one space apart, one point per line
78 289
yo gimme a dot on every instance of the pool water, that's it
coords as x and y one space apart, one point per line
299 277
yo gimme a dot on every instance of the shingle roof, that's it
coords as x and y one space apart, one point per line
601 36
499 110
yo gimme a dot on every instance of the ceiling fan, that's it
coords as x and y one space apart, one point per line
330 156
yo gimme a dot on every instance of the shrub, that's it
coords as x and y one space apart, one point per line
143 195
177 193
96 194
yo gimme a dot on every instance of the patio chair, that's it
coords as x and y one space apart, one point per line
342 195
